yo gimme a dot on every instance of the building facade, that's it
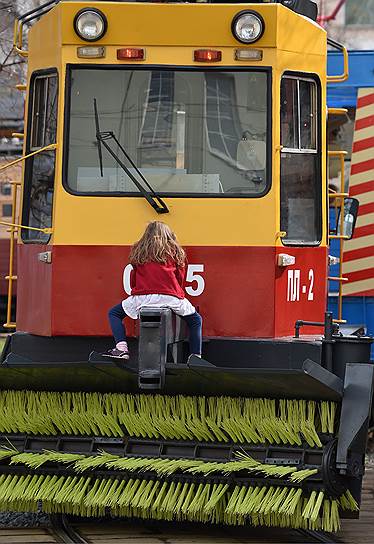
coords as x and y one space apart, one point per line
353 23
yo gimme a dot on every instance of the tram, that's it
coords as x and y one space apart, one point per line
212 118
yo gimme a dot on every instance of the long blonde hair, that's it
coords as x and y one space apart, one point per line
158 244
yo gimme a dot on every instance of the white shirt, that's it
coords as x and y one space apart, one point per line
180 306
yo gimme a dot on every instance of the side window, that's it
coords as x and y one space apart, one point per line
40 169
300 162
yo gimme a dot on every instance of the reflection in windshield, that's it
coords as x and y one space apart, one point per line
189 132
39 210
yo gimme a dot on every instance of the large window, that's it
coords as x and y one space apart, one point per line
40 169
359 12
189 132
300 162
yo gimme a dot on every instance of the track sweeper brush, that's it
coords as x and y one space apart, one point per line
279 442
211 459
216 459
232 455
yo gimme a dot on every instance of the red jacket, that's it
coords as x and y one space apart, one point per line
158 279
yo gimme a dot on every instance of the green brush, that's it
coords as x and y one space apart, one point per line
153 499
221 419
162 467
163 488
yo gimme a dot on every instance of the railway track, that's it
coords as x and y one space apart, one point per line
65 531
61 531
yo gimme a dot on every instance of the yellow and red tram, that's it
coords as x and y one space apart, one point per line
211 117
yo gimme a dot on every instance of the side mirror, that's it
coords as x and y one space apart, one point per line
351 206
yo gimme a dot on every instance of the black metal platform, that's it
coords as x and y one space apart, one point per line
259 368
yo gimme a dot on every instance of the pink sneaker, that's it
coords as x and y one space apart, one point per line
116 354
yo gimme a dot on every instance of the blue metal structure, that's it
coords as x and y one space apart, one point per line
357 310
361 74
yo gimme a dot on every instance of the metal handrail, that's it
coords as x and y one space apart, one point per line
24 157
46 230
27 18
14 228
337 111
18 39
339 203
11 277
344 76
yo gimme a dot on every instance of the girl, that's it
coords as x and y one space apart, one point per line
157 280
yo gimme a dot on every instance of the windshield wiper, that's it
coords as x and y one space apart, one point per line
98 139
102 138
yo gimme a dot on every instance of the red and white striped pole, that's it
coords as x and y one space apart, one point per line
358 263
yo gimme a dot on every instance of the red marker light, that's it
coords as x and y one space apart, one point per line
130 53
207 55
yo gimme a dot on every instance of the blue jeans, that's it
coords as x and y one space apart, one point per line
117 315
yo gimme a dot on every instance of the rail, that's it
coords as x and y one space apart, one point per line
64 531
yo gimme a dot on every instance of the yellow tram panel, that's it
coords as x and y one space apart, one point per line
287 45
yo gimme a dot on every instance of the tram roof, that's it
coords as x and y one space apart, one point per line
308 8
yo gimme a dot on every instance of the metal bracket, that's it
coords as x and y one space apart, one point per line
156 328
45 257
354 416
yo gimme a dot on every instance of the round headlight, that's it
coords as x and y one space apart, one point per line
248 26
90 24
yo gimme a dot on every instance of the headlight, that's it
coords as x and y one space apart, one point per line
248 26
90 24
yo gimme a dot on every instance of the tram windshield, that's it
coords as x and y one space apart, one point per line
189 132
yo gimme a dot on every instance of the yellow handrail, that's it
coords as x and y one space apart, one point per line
11 277
16 226
335 195
337 111
339 198
18 39
344 76
46 148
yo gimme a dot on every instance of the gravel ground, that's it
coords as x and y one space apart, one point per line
16 519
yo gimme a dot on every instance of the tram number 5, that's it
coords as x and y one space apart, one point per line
192 276
197 279
126 279
295 288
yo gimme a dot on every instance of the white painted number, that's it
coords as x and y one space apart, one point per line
311 279
193 277
126 279
293 285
